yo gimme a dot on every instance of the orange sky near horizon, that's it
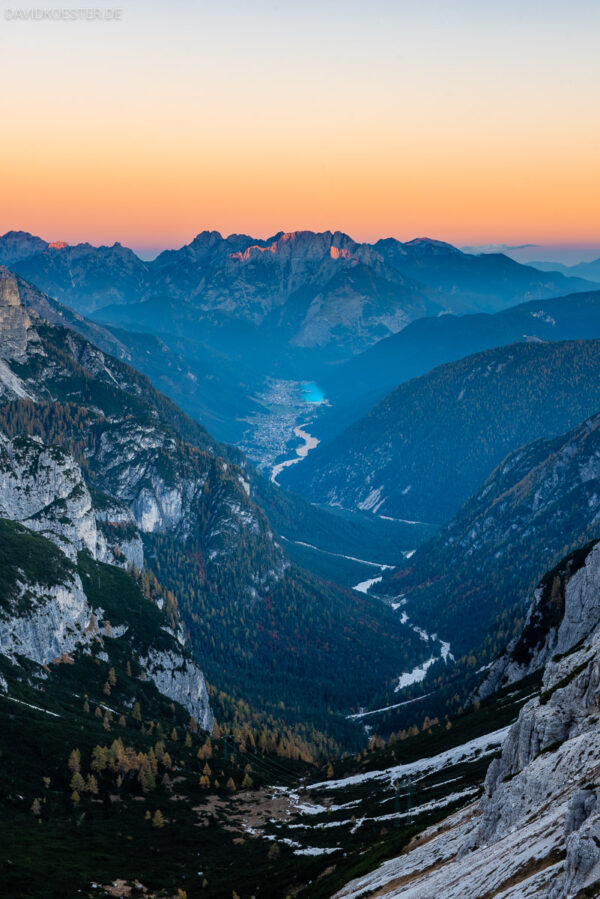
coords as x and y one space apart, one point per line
467 124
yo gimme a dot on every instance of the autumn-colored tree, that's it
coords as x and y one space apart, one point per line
75 761
158 819
99 758
205 752
77 782
91 785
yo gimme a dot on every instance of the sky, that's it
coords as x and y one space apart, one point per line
470 121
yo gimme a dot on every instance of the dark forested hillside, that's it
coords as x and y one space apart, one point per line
356 386
473 578
423 450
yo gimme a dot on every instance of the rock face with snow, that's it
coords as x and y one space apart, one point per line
536 830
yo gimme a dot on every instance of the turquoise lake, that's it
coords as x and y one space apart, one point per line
312 393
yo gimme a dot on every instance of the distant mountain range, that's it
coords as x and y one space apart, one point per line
427 446
230 312
485 282
588 270
316 289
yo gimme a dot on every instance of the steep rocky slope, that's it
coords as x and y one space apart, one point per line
51 607
43 487
536 830
422 451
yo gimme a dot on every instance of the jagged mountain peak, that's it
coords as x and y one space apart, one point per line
206 237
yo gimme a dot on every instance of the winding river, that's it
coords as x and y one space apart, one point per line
302 451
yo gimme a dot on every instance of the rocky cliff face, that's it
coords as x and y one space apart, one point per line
48 615
552 626
45 613
536 830
15 322
43 488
